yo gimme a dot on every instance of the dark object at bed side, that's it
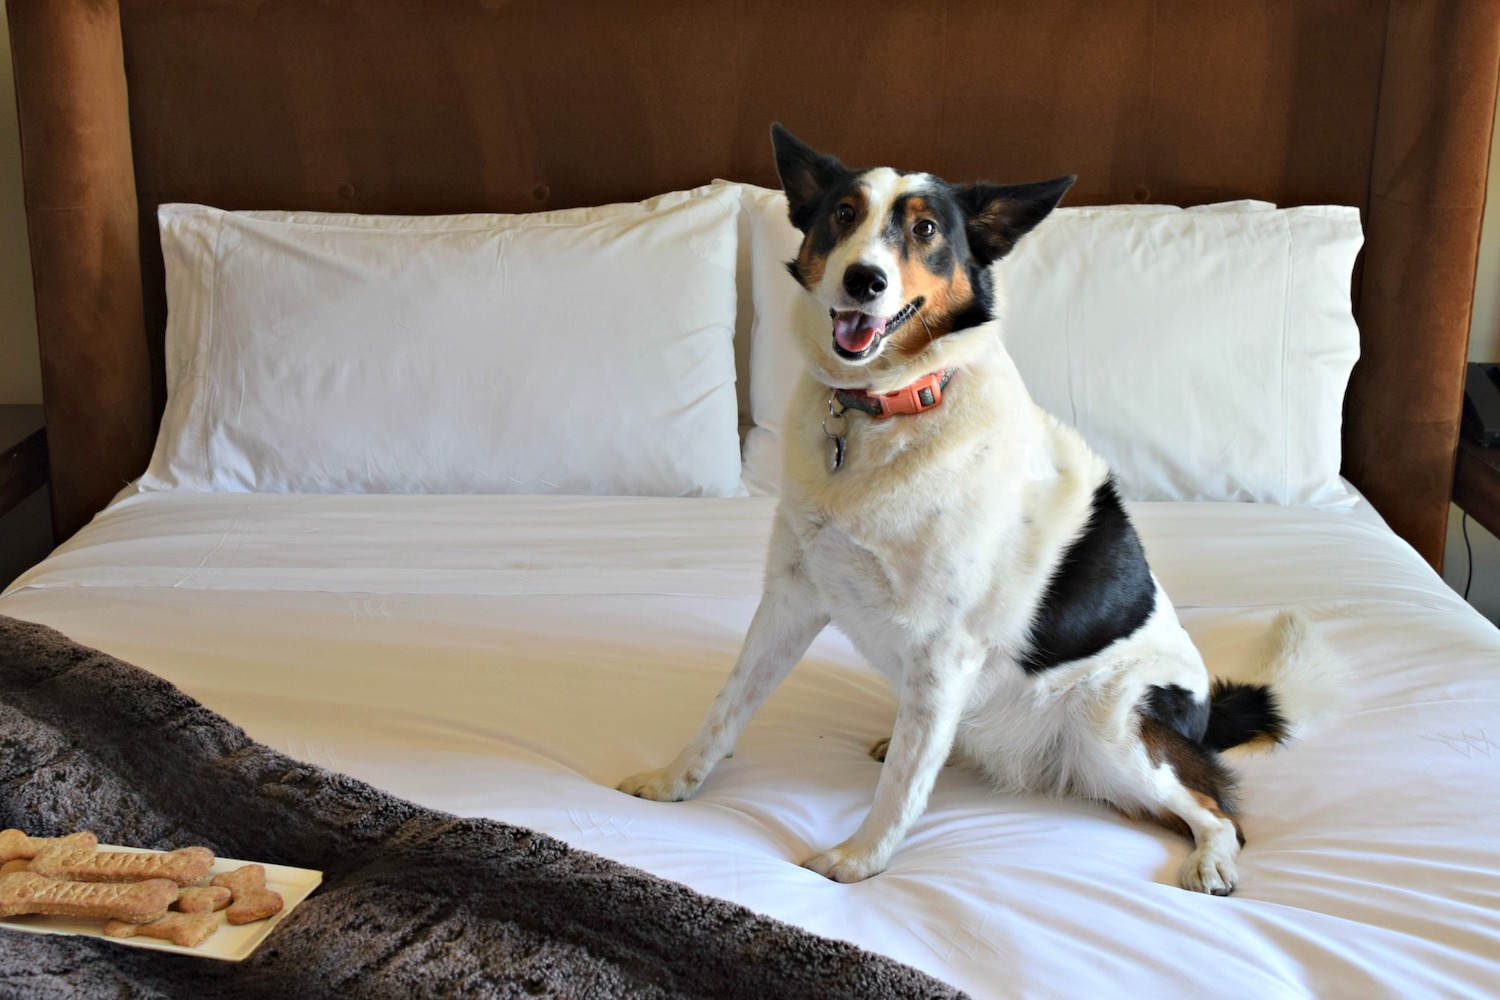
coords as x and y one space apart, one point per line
470 105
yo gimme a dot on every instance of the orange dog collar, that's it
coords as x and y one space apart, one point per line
923 394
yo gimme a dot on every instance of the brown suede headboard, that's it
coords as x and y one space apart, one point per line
399 106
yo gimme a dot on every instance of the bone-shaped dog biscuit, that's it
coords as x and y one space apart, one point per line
136 902
15 844
18 865
203 899
68 861
252 900
186 929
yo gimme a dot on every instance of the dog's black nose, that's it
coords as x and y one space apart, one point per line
863 282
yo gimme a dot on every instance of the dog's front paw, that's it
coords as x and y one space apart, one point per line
661 785
1210 871
845 864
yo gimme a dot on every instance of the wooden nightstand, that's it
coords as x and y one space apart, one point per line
1476 483
23 454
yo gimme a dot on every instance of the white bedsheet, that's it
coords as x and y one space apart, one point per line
515 657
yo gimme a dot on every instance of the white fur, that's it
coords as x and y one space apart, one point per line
1309 680
932 549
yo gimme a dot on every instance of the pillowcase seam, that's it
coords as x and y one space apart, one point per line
211 339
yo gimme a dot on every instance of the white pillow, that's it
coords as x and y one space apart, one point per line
1204 352
578 351
780 305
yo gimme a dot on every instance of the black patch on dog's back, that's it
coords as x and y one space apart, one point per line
1101 590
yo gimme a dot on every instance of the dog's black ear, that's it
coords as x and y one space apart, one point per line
805 174
999 215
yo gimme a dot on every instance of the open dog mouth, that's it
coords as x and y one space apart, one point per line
858 335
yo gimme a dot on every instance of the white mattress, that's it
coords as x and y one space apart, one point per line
515 657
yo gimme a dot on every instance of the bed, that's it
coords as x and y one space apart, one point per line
455 577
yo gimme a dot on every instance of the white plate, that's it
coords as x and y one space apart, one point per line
230 943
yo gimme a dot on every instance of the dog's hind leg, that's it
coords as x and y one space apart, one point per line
934 691
789 617
1186 785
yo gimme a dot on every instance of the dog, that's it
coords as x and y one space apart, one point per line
972 547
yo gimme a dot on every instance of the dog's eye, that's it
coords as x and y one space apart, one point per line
845 214
925 229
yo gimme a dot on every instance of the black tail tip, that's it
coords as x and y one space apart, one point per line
1243 713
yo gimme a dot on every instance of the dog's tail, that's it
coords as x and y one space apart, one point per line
1297 684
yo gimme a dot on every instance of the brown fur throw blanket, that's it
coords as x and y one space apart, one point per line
415 903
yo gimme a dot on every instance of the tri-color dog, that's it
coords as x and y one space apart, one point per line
972 547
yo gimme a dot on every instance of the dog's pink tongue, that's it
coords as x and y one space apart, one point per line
856 331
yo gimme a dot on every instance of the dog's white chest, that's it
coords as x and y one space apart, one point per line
892 583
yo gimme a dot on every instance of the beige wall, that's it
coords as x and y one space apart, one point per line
1484 331
20 372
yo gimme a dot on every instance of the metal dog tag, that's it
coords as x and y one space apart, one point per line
836 426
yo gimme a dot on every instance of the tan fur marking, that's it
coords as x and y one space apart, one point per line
812 265
1208 802
1158 741
1153 739
1172 822
1161 817
1263 743
809 265
945 295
